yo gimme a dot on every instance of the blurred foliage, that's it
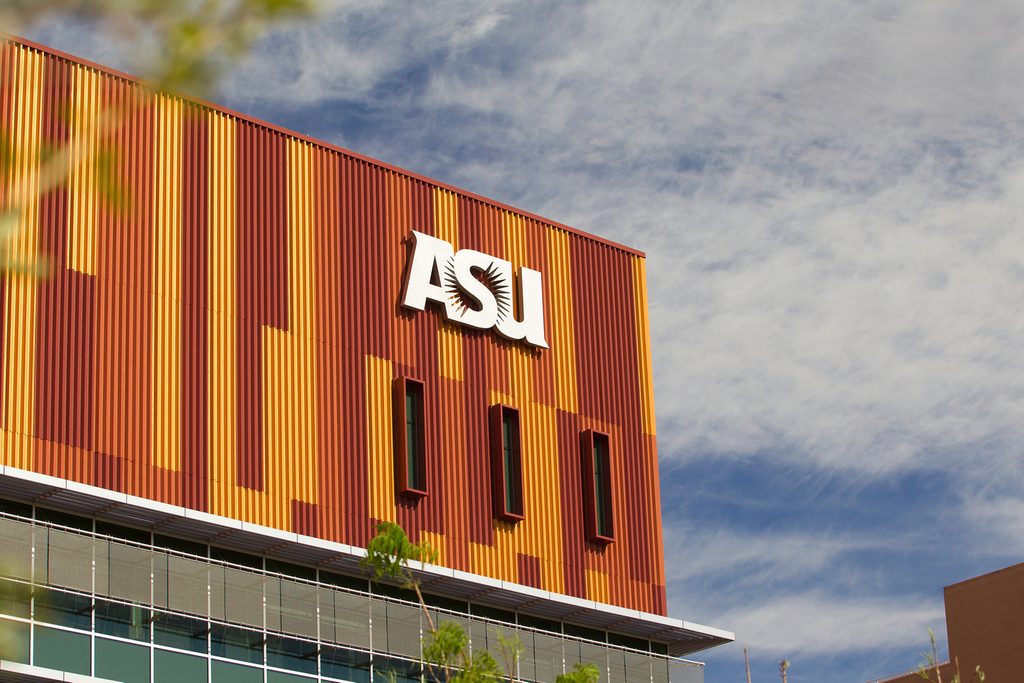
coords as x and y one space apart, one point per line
446 648
931 668
389 552
581 673
175 46
186 43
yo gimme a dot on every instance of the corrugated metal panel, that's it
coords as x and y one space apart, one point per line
227 341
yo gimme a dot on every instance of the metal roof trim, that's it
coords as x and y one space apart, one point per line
320 143
683 637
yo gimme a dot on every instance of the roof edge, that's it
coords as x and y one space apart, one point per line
320 143
683 637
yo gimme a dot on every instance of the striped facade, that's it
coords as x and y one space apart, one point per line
226 340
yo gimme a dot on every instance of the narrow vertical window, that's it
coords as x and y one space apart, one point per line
506 463
409 437
595 469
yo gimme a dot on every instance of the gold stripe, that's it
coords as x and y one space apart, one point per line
20 309
166 296
563 342
379 439
449 339
222 369
82 177
643 344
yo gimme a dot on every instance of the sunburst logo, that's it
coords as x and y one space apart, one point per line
492 278
475 289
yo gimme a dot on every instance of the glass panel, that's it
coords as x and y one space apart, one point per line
15 598
125 533
64 519
226 672
18 636
546 658
173 667
64 609
571 653
345 618
413 434
129 573
243 597
124 621
13 507
660 672
281 677
401 631
236 643
638 667
184 633
179 544
291 607
510 453
680 673
601 492
16 540
477 634
67 560
180 584
403 671
122 661
236 557
503 655
345 665
291 654
61 650
596 655
616 667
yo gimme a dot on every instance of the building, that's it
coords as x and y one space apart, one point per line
984 627
225 384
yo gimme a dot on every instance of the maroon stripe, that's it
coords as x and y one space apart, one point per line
529 570
65 313
573 543
194 314
262 281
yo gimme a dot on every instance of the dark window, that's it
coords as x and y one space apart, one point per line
124 621
15 598
236 643
506 463
184 633
595 468
13 507
180 544
289 569
347 665
387 669
64 609
410 437
236 557
126 532
353 582
64 519
291 654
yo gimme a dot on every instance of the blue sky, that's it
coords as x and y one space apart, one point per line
830 195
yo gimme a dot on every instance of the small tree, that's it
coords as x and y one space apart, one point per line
930 669
784 670
388 554
581 673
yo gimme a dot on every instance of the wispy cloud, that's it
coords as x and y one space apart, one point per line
815 623
830 195
831 198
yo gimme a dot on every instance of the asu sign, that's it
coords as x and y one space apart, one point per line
476 289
